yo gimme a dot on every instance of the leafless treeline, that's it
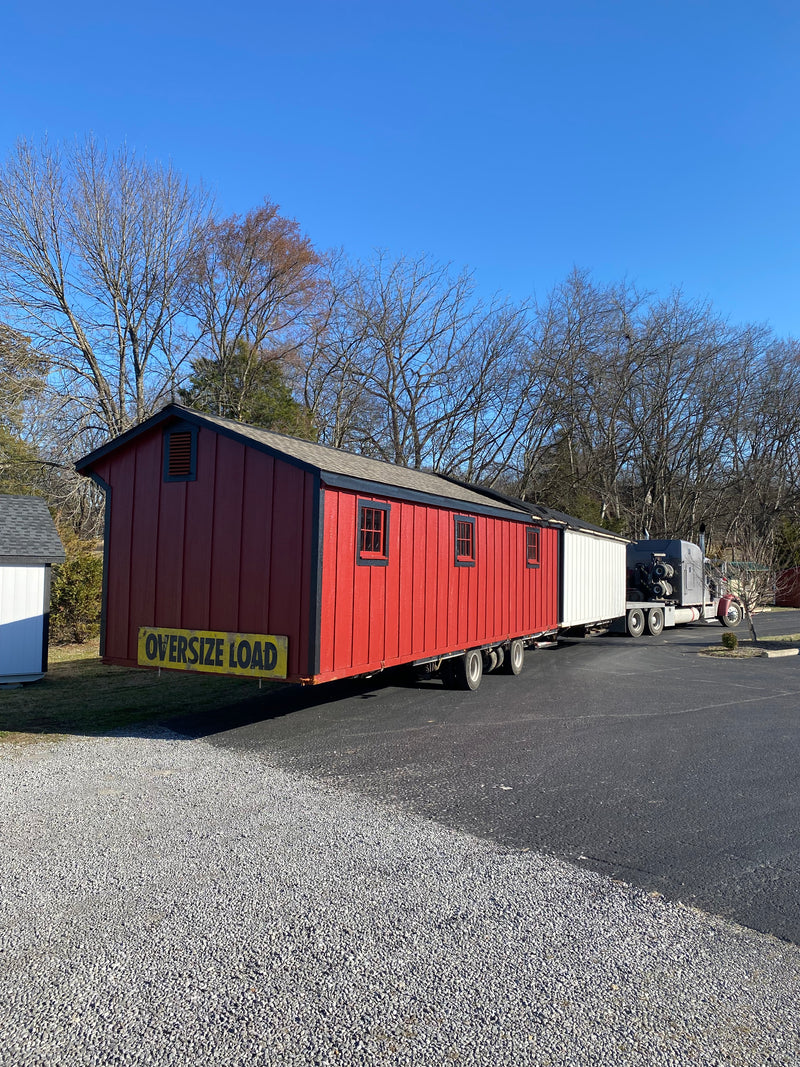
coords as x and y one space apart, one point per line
639 411
643 412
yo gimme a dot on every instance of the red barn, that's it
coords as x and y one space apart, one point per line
236 550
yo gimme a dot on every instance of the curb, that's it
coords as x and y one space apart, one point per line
775 653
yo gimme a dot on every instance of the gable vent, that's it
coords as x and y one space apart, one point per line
180 455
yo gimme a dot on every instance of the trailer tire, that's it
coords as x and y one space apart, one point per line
655 621
515 660
468 669
635 622
733 616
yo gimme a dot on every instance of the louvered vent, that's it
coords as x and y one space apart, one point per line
180 455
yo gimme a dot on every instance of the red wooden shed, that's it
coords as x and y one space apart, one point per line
237 550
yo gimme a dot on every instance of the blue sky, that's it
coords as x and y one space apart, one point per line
656 140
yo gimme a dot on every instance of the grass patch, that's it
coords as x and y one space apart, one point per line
779 642
748 649
80 695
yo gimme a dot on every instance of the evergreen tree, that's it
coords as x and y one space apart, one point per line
246 386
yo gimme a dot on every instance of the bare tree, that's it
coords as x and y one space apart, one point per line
332 384
254 283
95 248
408 366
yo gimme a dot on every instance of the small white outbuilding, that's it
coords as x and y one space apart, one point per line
29 546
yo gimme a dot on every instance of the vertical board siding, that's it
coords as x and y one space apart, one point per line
118 551
257 517
144 535
22 608
226 535
593 577
421 604
405 545
228 551
197 545
169 561
343 560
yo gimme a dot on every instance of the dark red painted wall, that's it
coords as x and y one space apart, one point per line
787 594
421 604
230 551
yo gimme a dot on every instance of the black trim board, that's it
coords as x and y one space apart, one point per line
560 573
534 565
375 505
467 561
315 613
46 619
181 414
396 492
167 435
106 489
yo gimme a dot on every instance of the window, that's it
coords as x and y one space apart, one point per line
373 533
465 541
532 546
180 454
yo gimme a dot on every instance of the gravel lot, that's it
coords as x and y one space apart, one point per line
164 902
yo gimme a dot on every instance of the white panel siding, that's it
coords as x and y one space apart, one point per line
21 620
593 579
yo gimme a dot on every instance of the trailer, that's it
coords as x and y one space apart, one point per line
230 549
234 550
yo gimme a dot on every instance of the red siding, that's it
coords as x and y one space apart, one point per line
236 549
229 551
421 604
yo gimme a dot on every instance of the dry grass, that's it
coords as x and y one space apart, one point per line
748 650
79 695
731 653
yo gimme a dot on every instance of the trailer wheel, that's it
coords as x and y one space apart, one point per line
655 621
515 660
468 669
733 616
635 622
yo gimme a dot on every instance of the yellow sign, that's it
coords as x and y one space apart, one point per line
252 655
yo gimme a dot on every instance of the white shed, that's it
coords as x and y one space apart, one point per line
29 545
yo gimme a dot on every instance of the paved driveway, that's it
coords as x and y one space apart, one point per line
639 759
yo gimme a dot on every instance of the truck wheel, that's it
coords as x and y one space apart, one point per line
635 622
733 616
655 621
515 660
468 669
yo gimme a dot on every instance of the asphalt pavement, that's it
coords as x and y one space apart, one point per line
639 759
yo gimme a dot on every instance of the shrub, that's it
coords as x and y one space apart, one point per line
730 640
76 599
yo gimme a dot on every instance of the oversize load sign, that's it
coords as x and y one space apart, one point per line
253 655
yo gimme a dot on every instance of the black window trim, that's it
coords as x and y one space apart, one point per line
463 562
181 427
533 564
373 561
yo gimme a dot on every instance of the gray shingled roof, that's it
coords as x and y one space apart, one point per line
337 464
346 464
27 532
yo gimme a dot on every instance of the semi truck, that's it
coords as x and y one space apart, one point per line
639 587
607 584
670 582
